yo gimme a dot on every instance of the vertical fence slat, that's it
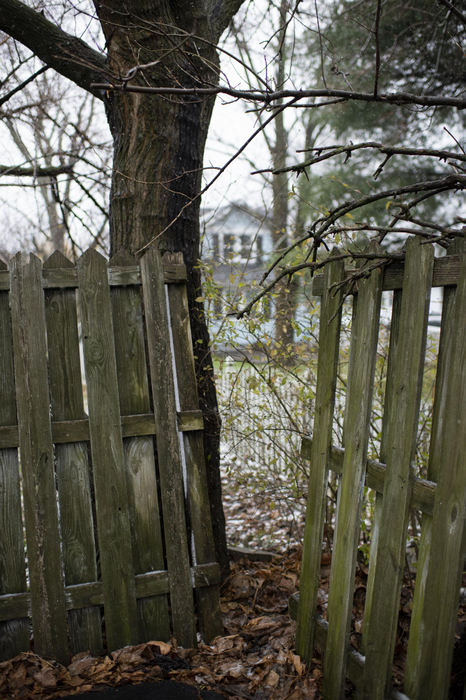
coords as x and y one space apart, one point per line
389 398
401 425
364 334
133 387
14 634
208 599
441 556
168 448
72 461
113 525
35 437
329 335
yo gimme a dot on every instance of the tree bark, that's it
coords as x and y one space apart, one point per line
158 145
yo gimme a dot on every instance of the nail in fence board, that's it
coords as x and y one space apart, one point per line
208 600
168 448
72 461
140 464
14 634
35 437
363 350
113 525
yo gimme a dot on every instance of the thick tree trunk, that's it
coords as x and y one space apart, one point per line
158 156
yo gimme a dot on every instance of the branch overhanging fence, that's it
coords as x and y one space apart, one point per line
441 497
106 536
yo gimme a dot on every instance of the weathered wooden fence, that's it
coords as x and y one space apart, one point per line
105 531
442 498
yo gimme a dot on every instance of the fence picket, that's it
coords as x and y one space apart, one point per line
389 408
72 462
208 599
168 448
113 525
133 390
401 426
329 335
442 550
14 634
361 370
37 458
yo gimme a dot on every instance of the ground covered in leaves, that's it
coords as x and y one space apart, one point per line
255 658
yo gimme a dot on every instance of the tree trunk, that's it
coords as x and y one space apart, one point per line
158 156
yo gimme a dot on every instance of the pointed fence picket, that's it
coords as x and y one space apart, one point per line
106 538
441 498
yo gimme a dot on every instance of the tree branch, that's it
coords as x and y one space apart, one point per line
65 53
270 97
18 171
22 85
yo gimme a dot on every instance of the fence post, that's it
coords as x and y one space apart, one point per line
329 335
133 389
401 426
208 599
14 634
35 438
433 621
113 525
363 350
168 447
72 460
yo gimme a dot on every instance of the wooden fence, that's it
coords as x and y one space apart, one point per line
442 498
105 531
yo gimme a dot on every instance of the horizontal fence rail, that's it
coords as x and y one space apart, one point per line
441 497
106 538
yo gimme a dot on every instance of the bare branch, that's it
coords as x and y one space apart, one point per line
63 52
36 171
22 85
269 97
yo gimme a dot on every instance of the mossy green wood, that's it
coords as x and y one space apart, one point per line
37 459
436 458
442 545
399 445
208 599
363 349
329 335
168 448
14 634
388 411
72 461
108 462
133 389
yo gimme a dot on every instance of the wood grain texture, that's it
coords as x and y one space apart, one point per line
168 448
37 458
133 387
72 462
108 462
208 599
329 337
442 541
423 490
363 351
399 447
14 634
